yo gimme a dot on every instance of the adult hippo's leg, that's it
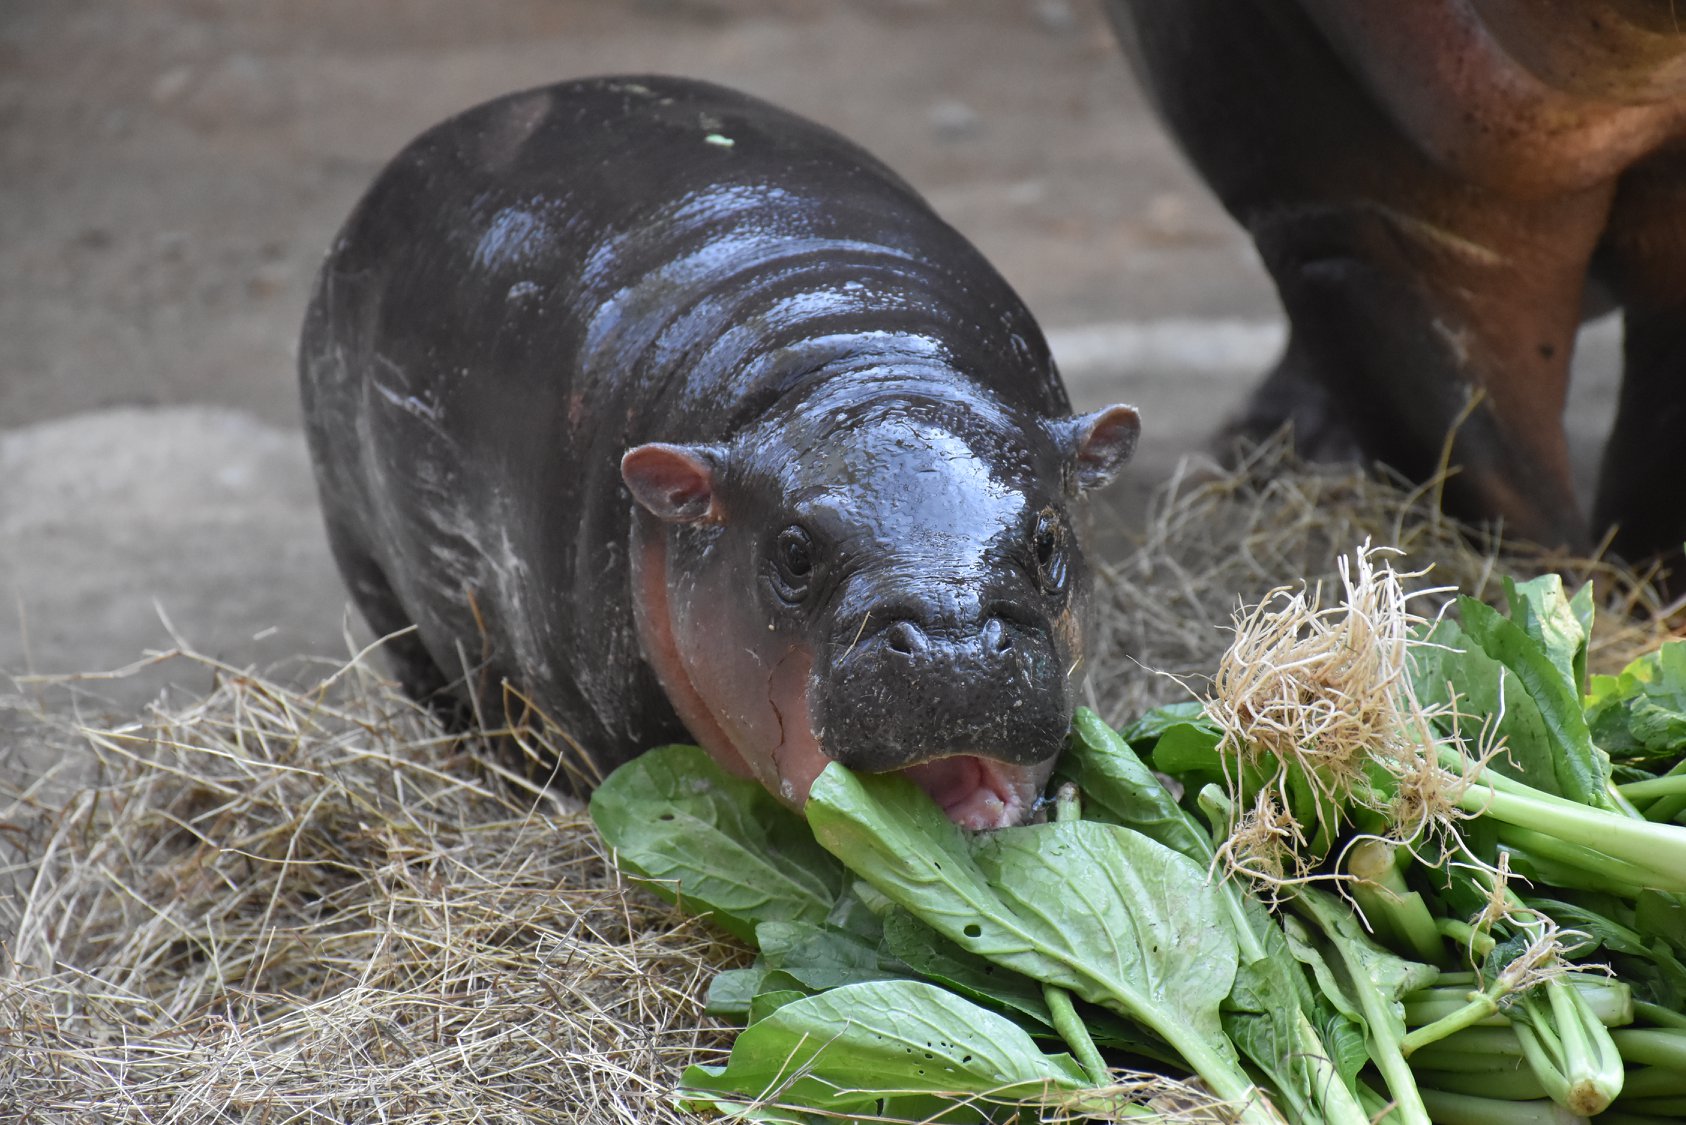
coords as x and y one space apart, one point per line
1422 307
1643 260
1438 334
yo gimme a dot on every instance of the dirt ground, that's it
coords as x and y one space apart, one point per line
172 171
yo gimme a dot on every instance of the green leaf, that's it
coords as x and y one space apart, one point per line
819 957
735 1111
721 844
845 1049
1392 976
928 1109
1578 768
1114 917
1344 1038
928 954
1581 605
1153 724
931 955
1604 931
1334 988
1270 1016
732 991
1546 614
1452 663
1641 713
1660 915
1281 983
766 1003
1337 1016
1118 786
1365 983
1188 748
1136 921
853 914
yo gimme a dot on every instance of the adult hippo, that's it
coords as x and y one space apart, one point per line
680 415
1431 184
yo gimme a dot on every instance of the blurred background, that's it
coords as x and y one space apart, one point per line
172 171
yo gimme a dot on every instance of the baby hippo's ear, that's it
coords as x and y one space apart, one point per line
1098 444
679 483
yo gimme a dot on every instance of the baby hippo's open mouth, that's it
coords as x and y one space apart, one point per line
981 793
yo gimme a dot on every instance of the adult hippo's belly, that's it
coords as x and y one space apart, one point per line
1431 184
667 413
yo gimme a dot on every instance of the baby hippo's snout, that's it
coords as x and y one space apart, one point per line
908 692
976 712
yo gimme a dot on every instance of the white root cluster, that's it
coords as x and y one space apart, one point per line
1322 695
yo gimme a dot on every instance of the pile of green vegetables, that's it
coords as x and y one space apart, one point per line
1479 917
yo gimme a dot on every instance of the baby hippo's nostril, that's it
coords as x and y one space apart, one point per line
905 637
997 637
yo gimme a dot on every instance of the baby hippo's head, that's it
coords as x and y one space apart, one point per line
894 582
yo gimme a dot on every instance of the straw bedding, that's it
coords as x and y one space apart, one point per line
306 903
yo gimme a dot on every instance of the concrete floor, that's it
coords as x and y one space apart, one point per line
172 172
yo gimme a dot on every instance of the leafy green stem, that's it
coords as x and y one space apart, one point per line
1466 1109
1654 1082
1466 935
1585 859
1659 1015
1658 849
1070 1028
1652 1046
1666 786
1666 809
1383 1025
1478 1007
1333 1095
1547 871
1215 803
1610 1002
1669 807
1060 1008
1472 1051
1389 904
1568 1049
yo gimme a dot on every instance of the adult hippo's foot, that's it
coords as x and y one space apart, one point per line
1291 396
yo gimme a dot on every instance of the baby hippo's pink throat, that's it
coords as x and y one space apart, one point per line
977 793
980 793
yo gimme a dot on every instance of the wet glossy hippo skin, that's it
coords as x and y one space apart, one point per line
1431 184
681 414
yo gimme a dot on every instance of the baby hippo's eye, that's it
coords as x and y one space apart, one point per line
1052 556
793 563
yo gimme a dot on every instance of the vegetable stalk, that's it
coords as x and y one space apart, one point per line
1383 1035
1071 1028
1388 904
1669 785
1658 850
1569 1050
1060 1008
1466 1109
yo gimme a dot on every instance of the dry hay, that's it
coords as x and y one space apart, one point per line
276 905
273 904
